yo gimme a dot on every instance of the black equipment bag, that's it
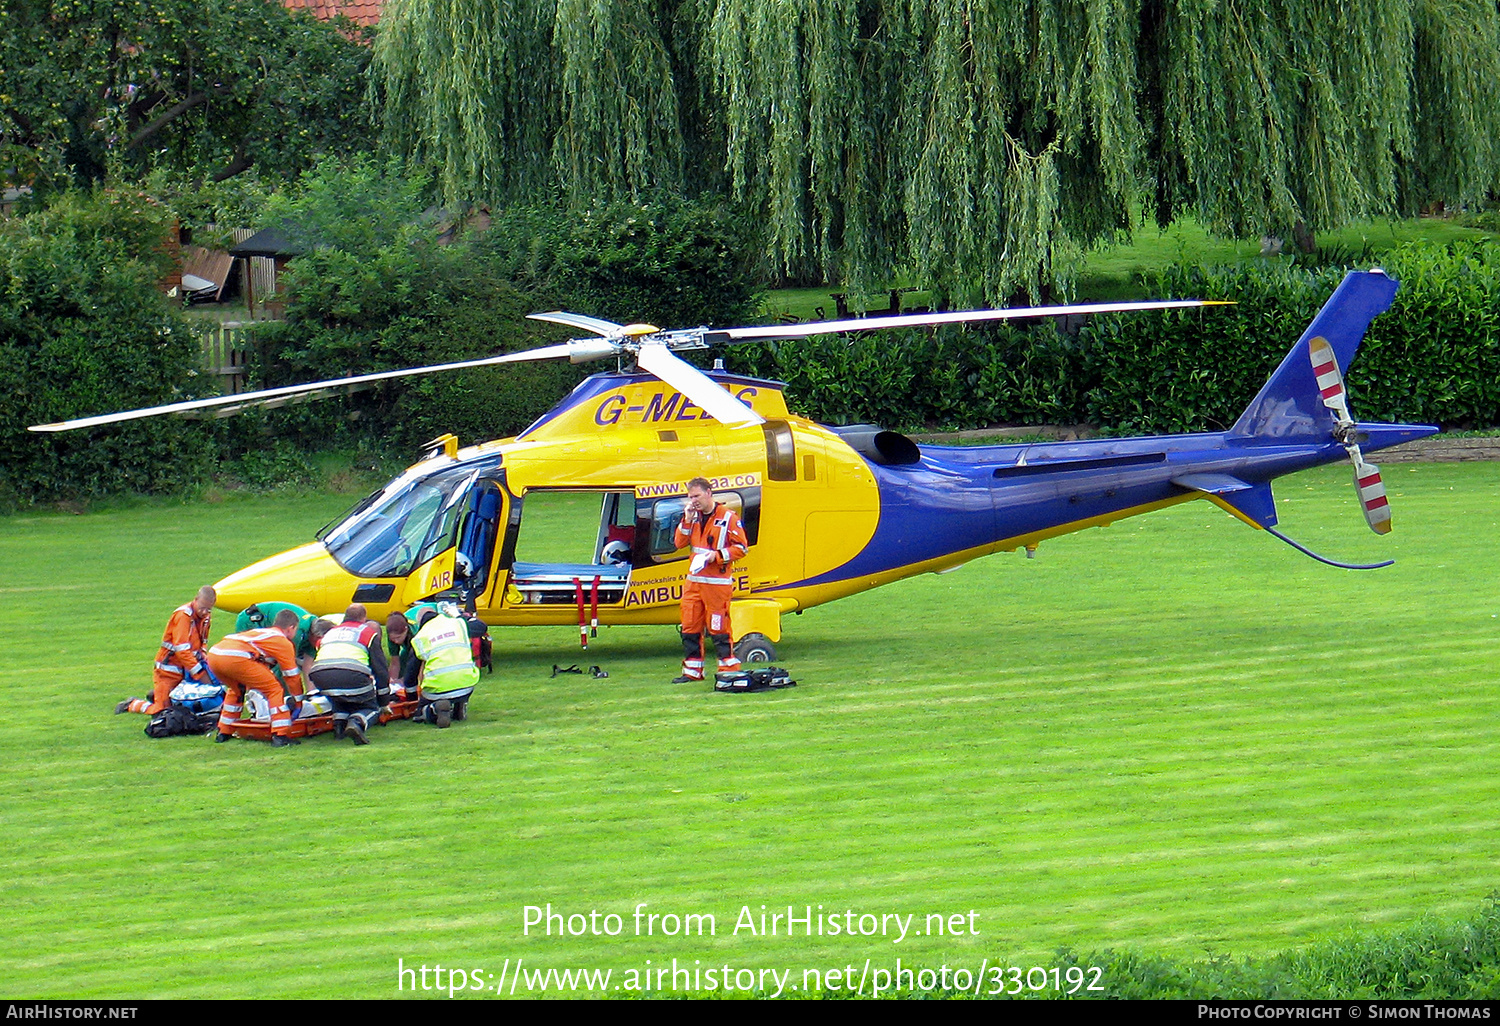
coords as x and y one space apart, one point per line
175 721
758 679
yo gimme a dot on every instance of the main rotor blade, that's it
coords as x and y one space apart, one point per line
245 399
697 386
609 329
787 331
579 350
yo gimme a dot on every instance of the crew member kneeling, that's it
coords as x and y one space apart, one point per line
448 670
243 661
351 670
180 655
717 538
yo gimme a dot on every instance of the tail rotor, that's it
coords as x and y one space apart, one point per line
1367 481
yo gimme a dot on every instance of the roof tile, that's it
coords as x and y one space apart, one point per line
361 12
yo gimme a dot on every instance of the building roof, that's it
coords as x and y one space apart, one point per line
268 242
361 12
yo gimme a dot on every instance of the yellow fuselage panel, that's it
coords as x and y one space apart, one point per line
306 575
642 437
653 405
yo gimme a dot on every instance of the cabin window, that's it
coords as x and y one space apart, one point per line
659 519
781 451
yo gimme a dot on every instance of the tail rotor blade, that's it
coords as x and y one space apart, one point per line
1330 381
1371 489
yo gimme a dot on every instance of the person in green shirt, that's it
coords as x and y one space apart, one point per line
404 664
263 614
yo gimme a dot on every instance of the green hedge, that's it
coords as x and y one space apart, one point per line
84 328
1433 358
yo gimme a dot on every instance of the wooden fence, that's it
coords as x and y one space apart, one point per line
226 353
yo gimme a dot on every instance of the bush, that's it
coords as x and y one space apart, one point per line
376 291
1434 357
85 328
1196 370
950 378
671 263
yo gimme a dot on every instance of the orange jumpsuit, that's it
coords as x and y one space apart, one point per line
717 540
181 647
244 661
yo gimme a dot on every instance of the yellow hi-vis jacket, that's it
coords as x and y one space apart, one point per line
447 657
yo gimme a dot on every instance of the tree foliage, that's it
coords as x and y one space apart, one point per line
84 328
94 87
375 289
976 145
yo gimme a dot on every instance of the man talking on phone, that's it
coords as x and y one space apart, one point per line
717 539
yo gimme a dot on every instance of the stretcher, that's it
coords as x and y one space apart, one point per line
558 583
321 723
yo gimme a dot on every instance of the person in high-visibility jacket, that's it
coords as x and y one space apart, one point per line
243 662
717 539
351 669
181 652
449 673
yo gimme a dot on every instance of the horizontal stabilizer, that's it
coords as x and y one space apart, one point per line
1252 503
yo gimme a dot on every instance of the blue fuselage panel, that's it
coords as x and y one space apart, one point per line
958 499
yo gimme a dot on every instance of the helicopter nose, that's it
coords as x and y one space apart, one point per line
306 576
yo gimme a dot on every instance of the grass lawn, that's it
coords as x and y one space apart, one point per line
1174 735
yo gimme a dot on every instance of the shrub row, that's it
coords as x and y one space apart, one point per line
84 329
1433 358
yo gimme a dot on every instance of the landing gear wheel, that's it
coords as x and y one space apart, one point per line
755 648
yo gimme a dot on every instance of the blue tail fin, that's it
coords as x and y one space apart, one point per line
1289 406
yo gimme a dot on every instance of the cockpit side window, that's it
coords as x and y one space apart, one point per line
404 528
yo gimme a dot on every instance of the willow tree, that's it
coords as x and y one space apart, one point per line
520 100
975 145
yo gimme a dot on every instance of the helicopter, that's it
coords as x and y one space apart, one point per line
573 519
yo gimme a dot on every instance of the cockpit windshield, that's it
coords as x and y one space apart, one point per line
409 522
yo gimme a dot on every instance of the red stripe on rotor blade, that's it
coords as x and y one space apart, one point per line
1376 503
1331 391
1368 480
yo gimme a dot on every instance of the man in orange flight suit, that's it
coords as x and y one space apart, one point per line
717 538
244 661
181 650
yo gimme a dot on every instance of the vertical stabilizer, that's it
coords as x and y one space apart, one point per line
1290 406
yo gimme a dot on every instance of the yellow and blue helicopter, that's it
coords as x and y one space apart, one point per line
830 511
